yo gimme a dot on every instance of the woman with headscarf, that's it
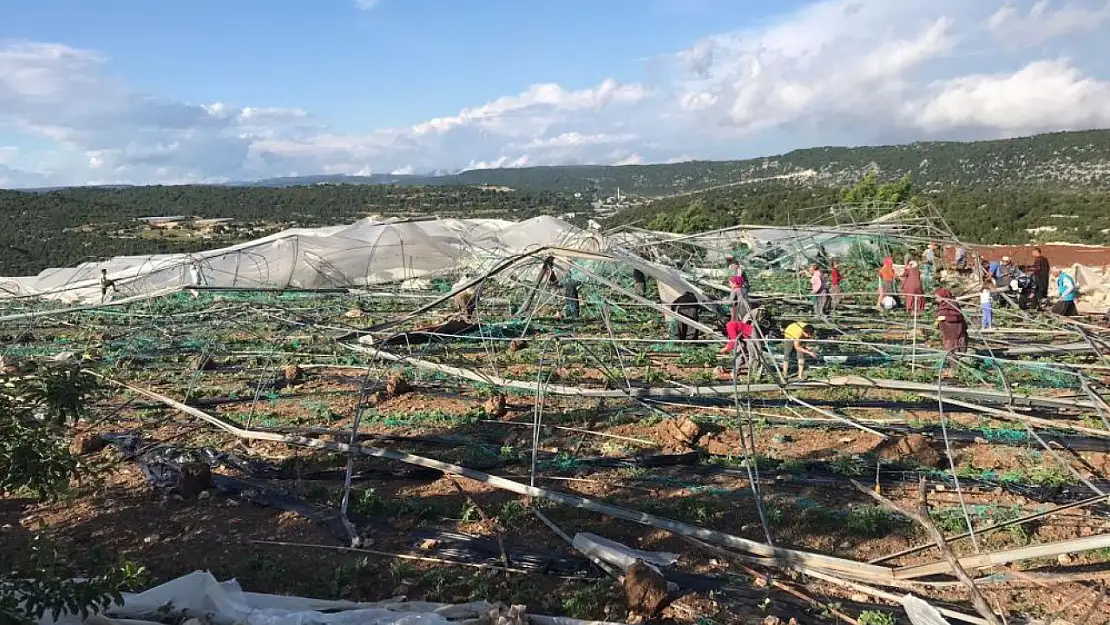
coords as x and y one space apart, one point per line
913 287
738 299
886 280
952 324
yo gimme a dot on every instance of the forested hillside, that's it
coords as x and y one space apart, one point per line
1069 160
979 214
1047 188
69 226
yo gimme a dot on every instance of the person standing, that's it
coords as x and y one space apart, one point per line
1041 272
570 294
1069 293
929 259
106 284
886 281
737 300
745 282
986 302
835 294
914 289
819 289
961 259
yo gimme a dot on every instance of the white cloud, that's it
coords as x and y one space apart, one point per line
833 71
1045 20
7 154
366 5
498 116
577 140
1042 96
504 161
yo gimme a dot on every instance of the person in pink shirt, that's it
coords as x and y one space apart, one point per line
819 289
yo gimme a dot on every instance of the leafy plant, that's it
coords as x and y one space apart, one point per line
875 617
37 411
587 602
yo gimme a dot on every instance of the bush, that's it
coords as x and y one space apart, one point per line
38 408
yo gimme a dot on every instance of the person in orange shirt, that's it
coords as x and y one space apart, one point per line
886 281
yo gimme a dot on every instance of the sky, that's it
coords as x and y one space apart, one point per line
189 91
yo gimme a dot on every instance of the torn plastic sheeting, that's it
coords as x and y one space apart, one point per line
620 555
198 594
921 612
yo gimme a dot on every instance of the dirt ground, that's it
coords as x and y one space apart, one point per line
172 537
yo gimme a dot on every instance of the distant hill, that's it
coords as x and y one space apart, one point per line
1064 159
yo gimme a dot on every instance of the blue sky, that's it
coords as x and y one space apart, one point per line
208 90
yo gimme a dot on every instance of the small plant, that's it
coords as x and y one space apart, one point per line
875 617
587 602
469 513
401 569
512 514
870 521
1047 475
846 465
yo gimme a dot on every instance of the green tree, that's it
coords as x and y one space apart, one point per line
38 409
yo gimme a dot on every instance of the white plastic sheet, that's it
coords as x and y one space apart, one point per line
198 594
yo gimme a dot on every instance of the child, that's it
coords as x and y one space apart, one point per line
986 300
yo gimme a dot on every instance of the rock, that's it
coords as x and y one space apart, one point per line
1064 559
293 374
782 438
353 313
979 440
150 540
196 478
397 385
428 544
716 445
516 345
681 432
85 444
233 503
913 447
645 590
845 440
204 495
861 598
495 406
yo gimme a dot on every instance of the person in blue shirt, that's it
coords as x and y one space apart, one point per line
1069 293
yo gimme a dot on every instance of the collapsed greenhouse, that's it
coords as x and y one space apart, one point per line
421 392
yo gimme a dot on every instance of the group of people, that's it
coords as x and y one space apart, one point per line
1003 280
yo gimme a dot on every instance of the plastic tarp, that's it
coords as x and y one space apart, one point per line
366 253
199 595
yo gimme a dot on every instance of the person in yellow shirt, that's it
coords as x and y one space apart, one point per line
793 343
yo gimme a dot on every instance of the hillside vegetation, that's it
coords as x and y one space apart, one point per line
69 226
1060 160
1053 187
979 214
